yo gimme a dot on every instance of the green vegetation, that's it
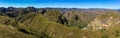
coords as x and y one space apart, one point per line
54 23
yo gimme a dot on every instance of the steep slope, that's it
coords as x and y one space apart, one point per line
38 24
58 23
78 19
8 29
11 32
104 21
55 16
105 25
71 17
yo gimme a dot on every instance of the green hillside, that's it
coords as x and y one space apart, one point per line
59 23
38 24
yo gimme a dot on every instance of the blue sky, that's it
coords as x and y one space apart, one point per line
111 4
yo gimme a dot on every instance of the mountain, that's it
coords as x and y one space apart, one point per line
33 22
118 10
104 21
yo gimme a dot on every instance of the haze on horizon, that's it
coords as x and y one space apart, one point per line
110 4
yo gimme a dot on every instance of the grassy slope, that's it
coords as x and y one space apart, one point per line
37 23
7 29
79 19
111 19
105 20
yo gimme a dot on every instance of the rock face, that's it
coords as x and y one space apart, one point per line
104 21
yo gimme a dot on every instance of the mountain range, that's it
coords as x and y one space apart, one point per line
33 22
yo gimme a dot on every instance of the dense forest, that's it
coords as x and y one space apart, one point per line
33 22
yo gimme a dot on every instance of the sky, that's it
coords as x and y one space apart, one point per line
111 4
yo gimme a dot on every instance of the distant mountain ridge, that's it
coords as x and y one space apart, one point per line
33 22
